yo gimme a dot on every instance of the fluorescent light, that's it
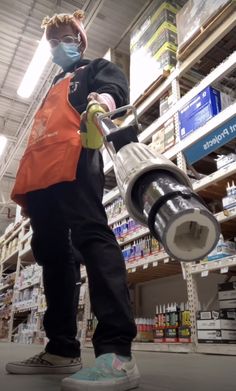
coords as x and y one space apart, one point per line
3 143
35 69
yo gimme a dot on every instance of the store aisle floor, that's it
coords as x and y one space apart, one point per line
160 371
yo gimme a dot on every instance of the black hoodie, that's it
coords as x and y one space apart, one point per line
99 76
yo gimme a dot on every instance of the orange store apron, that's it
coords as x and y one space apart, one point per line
54 145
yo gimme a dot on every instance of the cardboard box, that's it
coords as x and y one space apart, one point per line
209 336
227 286
224 161
158 141
224 304
216 336
169 133
152 46
184 334
208 315
229 202
166 102
223 249
171 334
159 336
227 295
216 324
167 33
147 29
228 336
199 110
228 314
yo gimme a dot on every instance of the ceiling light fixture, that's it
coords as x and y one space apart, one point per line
3 143
35 69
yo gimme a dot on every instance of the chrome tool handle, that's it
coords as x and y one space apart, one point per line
107 127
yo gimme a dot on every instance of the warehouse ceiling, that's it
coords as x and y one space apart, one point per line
108 24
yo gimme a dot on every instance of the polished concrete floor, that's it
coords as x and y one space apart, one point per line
160 371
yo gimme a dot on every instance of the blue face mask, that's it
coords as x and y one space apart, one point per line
66 54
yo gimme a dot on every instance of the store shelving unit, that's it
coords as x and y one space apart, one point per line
159 265
192 270
205 185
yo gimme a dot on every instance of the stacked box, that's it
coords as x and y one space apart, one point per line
217 336
158 141
180 334
166 33
184 334
153 46
149 26
227 296
164 138
227 291
225 160
166 56
217 314
223 249
199 110
169 134
166 103
159 335
171 334
219 326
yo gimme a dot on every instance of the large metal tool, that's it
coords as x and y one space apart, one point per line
157 193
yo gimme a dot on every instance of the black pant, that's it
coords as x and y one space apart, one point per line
72 213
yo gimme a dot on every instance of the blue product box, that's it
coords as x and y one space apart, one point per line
199 110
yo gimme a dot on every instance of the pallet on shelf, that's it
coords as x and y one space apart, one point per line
151 88
205 30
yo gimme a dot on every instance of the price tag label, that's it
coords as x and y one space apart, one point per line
145 266
224 270
204 273
133 270
166 260
155 263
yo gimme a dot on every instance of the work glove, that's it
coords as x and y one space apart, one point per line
94 96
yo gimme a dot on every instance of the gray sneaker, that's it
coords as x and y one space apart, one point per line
45 363
110 373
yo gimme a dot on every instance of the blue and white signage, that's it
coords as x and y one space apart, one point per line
211 142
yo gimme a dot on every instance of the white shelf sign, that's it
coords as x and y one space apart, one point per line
204 273
224 270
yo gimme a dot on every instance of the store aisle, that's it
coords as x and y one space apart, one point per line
160 371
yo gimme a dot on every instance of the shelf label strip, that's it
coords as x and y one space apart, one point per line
211 142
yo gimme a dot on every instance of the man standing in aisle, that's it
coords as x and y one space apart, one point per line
60 184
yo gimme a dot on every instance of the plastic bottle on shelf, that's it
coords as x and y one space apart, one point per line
220 242
167 315
233 189
157 317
